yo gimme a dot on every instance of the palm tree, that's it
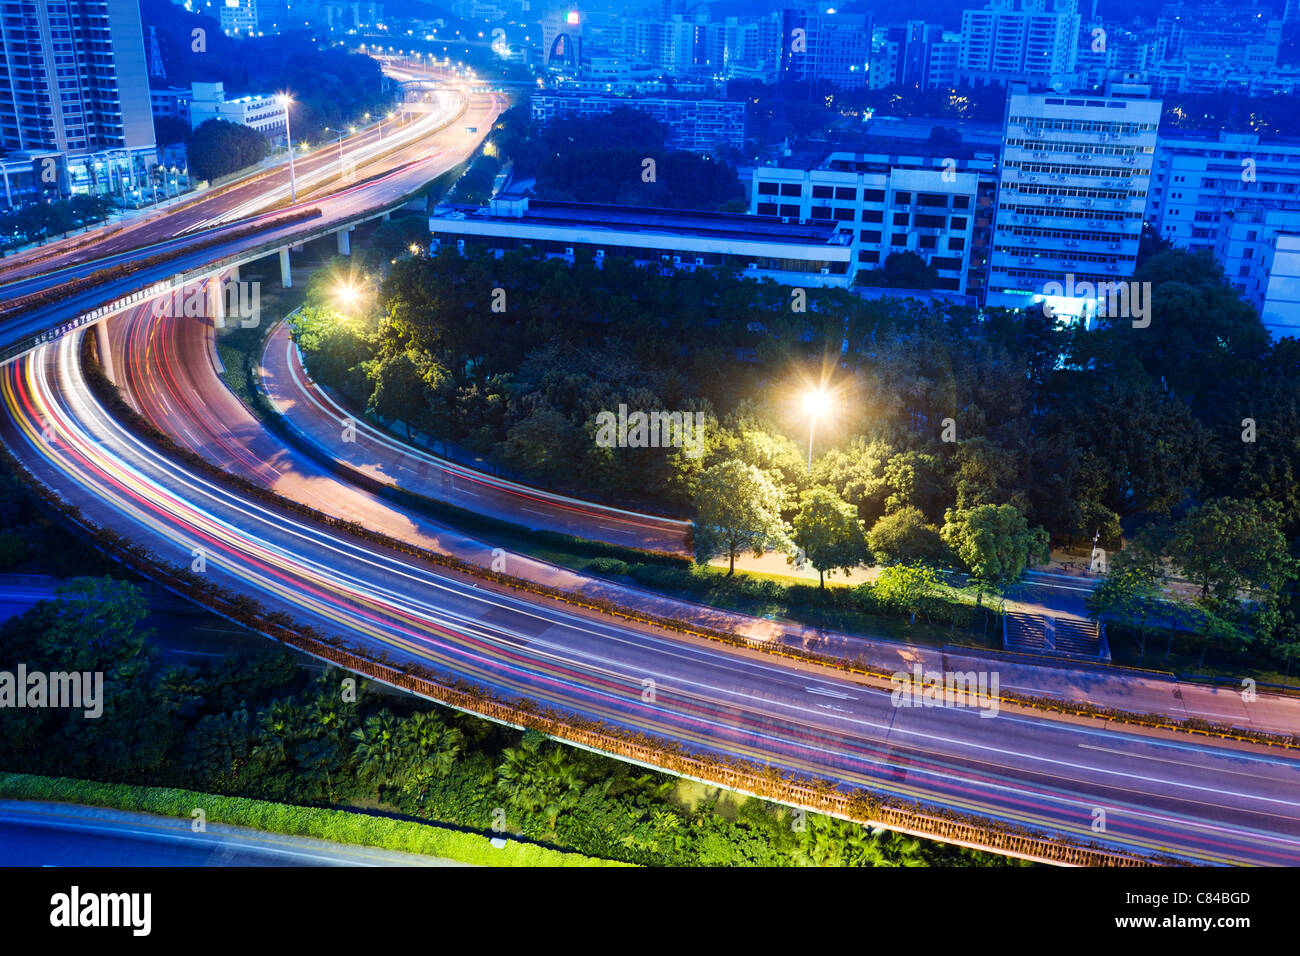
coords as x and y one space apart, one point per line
377 750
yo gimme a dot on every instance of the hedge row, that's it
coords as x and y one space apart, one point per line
339 826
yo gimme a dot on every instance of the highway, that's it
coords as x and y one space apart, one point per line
35 833
316 172
408 169
1206 801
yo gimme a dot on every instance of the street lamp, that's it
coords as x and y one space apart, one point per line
816 403
285 100
340 133
347 293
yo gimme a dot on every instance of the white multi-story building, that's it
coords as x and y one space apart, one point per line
1197 180
1239 198
931 205
1033 41
1076 170
1279 303
256 111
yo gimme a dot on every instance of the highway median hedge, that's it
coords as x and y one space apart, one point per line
338 826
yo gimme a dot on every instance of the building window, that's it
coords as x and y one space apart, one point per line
873 195
844 214
822 192
958 222
956 243
848 193
791 189
872 215
900 219
821 212
767 189
898 239
767 209
869 236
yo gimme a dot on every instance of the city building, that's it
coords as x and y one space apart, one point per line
1031 41
562 40
894 196
832 48
1236 196
238 17
256 111
172 102
75 111
1279 302
696 125
1075 173
810 253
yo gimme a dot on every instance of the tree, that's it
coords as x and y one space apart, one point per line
399 390
1130 593
994 542
737 508
829 533
907 587
218 147
904 536
1233 548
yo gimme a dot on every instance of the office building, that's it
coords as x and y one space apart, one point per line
1076 170
894 196
256 111
832 48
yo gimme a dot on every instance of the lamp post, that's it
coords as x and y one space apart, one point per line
340 137
285 100
815 405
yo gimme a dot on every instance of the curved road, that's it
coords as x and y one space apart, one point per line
1210 802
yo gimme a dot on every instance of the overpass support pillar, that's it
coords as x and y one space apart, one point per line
286 279
345 241
103 350
217 301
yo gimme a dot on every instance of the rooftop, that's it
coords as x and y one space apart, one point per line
690 222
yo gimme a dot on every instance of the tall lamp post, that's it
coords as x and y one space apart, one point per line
285 100
815 404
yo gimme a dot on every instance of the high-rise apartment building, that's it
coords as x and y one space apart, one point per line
74 96
1033 41
1076 169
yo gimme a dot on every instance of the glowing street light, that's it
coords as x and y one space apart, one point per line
816 404
347 293
285 100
